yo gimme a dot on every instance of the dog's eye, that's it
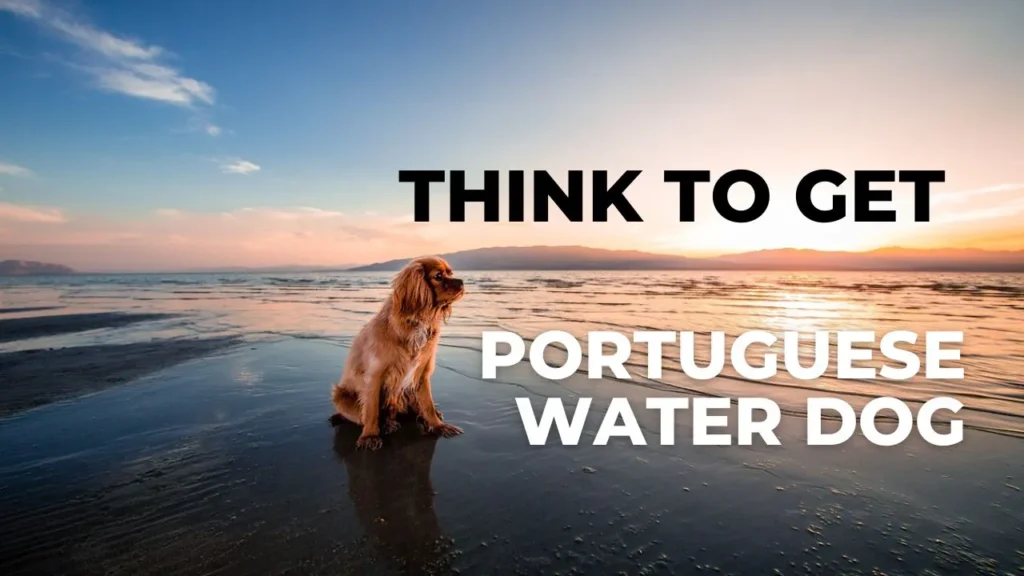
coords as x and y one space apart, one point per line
439 276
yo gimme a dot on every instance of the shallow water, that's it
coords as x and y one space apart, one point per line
988 308
227 465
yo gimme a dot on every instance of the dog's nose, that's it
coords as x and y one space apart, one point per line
457 283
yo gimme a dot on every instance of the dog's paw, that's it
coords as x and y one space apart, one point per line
445 430
369 443
391 426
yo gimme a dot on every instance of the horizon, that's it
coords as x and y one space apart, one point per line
934 261
177 135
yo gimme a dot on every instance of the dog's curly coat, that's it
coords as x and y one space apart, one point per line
388 369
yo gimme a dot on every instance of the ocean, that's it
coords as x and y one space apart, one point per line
987 308
178 424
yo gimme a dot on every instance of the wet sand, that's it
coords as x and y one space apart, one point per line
32 378
12 329
228 464
20 309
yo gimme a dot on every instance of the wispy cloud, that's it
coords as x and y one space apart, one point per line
320 213
27 8
199 123
117 63
1007 210
19 213
286 214
154 82
13 169
377 232
239 166
995 202
965 195
98 40
300 213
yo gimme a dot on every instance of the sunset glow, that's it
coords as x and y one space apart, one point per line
284 149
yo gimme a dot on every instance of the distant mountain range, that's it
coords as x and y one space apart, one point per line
582 258
29 268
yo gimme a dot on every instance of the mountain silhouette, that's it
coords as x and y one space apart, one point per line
788 259
30 268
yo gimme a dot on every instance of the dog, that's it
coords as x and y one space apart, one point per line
392 358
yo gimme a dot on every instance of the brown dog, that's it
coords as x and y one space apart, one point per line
388 369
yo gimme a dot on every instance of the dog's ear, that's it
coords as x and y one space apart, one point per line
410 291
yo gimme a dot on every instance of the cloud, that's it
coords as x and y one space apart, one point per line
198 123
18 213
964 195
239 166
155 82
1010 209
26 8
300 213
377 233
286 214
319 212
118 64
102 42
13 169
978 204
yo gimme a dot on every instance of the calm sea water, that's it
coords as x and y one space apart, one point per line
989 309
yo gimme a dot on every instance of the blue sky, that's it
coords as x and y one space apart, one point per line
118 115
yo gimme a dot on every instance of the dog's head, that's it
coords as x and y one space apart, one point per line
426 285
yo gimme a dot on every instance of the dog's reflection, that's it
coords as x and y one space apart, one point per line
394 498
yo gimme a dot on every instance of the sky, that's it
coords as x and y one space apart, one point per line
187 134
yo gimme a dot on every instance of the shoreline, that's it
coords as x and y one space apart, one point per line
28 327
22 309
34 378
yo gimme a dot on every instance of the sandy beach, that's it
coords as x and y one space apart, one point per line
189 444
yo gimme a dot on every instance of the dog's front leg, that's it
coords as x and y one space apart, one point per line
414 402
370 405
391 423
427 410
396 404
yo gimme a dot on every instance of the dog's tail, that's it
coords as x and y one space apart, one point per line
346 405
